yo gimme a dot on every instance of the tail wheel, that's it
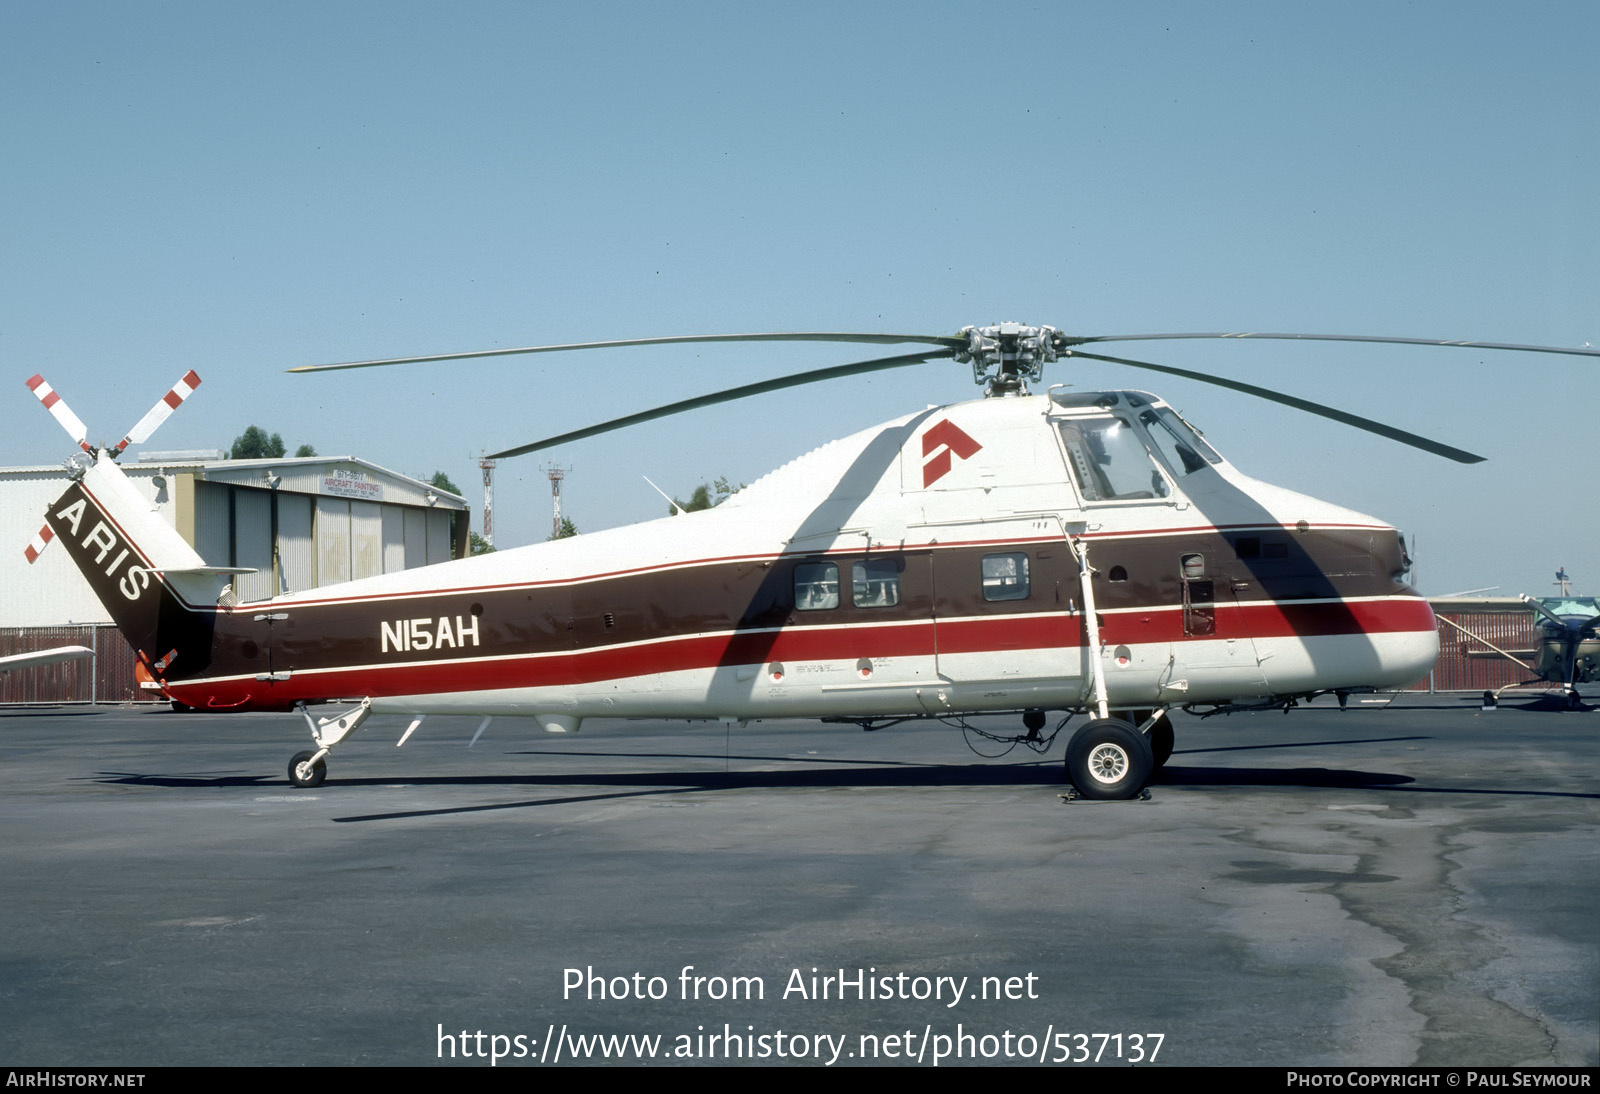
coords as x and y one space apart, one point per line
304 773
1109 760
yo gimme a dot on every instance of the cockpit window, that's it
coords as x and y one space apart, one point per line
1184 450
1110 462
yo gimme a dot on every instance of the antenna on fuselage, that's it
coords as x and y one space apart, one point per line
678 510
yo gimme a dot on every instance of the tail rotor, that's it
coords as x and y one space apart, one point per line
141 431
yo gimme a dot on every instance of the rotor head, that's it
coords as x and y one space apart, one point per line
1007 356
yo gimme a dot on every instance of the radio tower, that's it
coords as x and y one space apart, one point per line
556 474
488 499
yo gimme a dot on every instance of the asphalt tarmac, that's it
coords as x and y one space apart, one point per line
1407 884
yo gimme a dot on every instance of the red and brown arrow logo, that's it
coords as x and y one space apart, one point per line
939 442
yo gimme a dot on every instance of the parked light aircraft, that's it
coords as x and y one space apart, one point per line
1023 553
1567 632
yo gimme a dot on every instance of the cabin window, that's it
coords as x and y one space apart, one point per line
1005 577
875 583
816 586
1110 462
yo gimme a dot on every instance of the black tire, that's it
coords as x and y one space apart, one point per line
310 778
1109 760
1161 738
1160 735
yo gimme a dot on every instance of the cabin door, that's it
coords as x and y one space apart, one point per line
1216 650
1006 623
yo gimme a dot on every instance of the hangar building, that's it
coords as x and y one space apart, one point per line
301 523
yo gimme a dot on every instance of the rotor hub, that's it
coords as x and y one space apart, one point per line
1006 356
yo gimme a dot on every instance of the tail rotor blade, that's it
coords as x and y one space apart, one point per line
60 411
33 550
161 411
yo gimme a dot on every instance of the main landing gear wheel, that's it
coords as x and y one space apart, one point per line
1109 760
1161 740
304 773
1160 735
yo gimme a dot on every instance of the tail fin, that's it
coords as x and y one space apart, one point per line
158 590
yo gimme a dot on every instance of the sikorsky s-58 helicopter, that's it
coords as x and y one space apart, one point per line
1087 553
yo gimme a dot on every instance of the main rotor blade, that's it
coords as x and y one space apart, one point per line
1586 351
951 341
731 394
1412 439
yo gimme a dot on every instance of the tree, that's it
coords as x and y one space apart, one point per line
441 481
477 545
304 451
706 497
568 529
254 444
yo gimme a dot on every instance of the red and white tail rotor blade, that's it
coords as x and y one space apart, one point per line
160 412
60 411
40 542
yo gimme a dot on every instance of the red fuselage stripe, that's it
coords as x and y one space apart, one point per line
1000 635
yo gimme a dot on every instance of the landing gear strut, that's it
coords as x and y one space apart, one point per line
309 769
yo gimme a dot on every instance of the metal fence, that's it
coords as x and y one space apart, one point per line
107 677
1468 664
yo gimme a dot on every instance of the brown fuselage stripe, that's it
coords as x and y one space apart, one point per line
703 652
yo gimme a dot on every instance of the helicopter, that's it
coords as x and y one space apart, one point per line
1084 553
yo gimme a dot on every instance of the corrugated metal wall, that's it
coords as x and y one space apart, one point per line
438 535
333 540
213 523
252 543
296 560
366 539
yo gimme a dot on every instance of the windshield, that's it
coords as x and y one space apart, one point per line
1183 449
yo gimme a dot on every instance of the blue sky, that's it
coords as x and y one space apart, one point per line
239 189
